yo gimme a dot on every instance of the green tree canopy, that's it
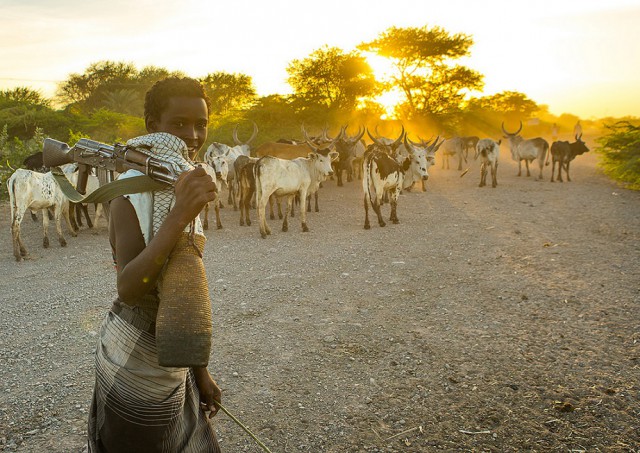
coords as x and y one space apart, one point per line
511 105
112 85
229 91
22 96
424 72
331 78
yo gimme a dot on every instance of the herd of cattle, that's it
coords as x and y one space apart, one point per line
290 170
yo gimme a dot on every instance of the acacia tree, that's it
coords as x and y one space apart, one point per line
510 104
229 91
332 79
424 72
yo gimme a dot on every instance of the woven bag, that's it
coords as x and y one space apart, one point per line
184 322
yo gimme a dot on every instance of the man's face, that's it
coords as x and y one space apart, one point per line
186 118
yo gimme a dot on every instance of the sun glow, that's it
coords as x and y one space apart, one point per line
383 70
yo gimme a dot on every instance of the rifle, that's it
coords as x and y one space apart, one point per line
118 157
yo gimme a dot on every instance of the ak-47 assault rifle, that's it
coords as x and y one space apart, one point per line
112 158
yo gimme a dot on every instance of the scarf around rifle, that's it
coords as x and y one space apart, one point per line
170 149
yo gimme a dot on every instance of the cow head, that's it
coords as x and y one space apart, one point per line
417 154
578 147
322 160
219 165
346 146
387 145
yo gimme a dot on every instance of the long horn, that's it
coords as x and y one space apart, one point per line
578 137
395 144
408 143
254 135
304 133
357 138
235 135
375 140
325 132
376 131
435 145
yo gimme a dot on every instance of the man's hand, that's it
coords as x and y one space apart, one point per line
209 391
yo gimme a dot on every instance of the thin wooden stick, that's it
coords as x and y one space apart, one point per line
239 423
403 432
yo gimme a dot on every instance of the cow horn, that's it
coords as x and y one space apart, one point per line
254 134
304 133
235 136
358 136
509 133
435 145
395 144
325 133
408 143
375 140
578 137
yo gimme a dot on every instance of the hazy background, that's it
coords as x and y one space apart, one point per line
577 57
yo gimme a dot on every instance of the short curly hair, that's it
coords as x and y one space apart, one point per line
157 98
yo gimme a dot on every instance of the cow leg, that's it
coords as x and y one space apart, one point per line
303 211
58 219
394 204
262 199
315 195
248 198
205 217
34 217
216 207
560 165
72 217
519 168
279 208
483 174
553 169
526 162
375 204
285 222
19 249
65 209
494 175
460 162
567 170
85 209
339 177
424 185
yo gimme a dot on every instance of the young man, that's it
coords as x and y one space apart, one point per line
137 404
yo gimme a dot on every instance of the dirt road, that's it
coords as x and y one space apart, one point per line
499 320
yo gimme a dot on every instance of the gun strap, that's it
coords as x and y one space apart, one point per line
107 192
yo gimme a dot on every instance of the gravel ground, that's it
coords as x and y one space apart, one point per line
488 320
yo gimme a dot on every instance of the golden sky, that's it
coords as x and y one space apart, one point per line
577 57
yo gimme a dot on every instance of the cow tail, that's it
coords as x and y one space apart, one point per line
548 151
12 196
256 177
369 177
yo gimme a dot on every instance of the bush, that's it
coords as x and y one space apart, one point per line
620 151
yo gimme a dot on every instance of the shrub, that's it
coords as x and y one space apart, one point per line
620 151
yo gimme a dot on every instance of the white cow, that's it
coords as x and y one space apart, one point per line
231 153
488 151
527 150
454 147
36 191
218 173
422 155
282 177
